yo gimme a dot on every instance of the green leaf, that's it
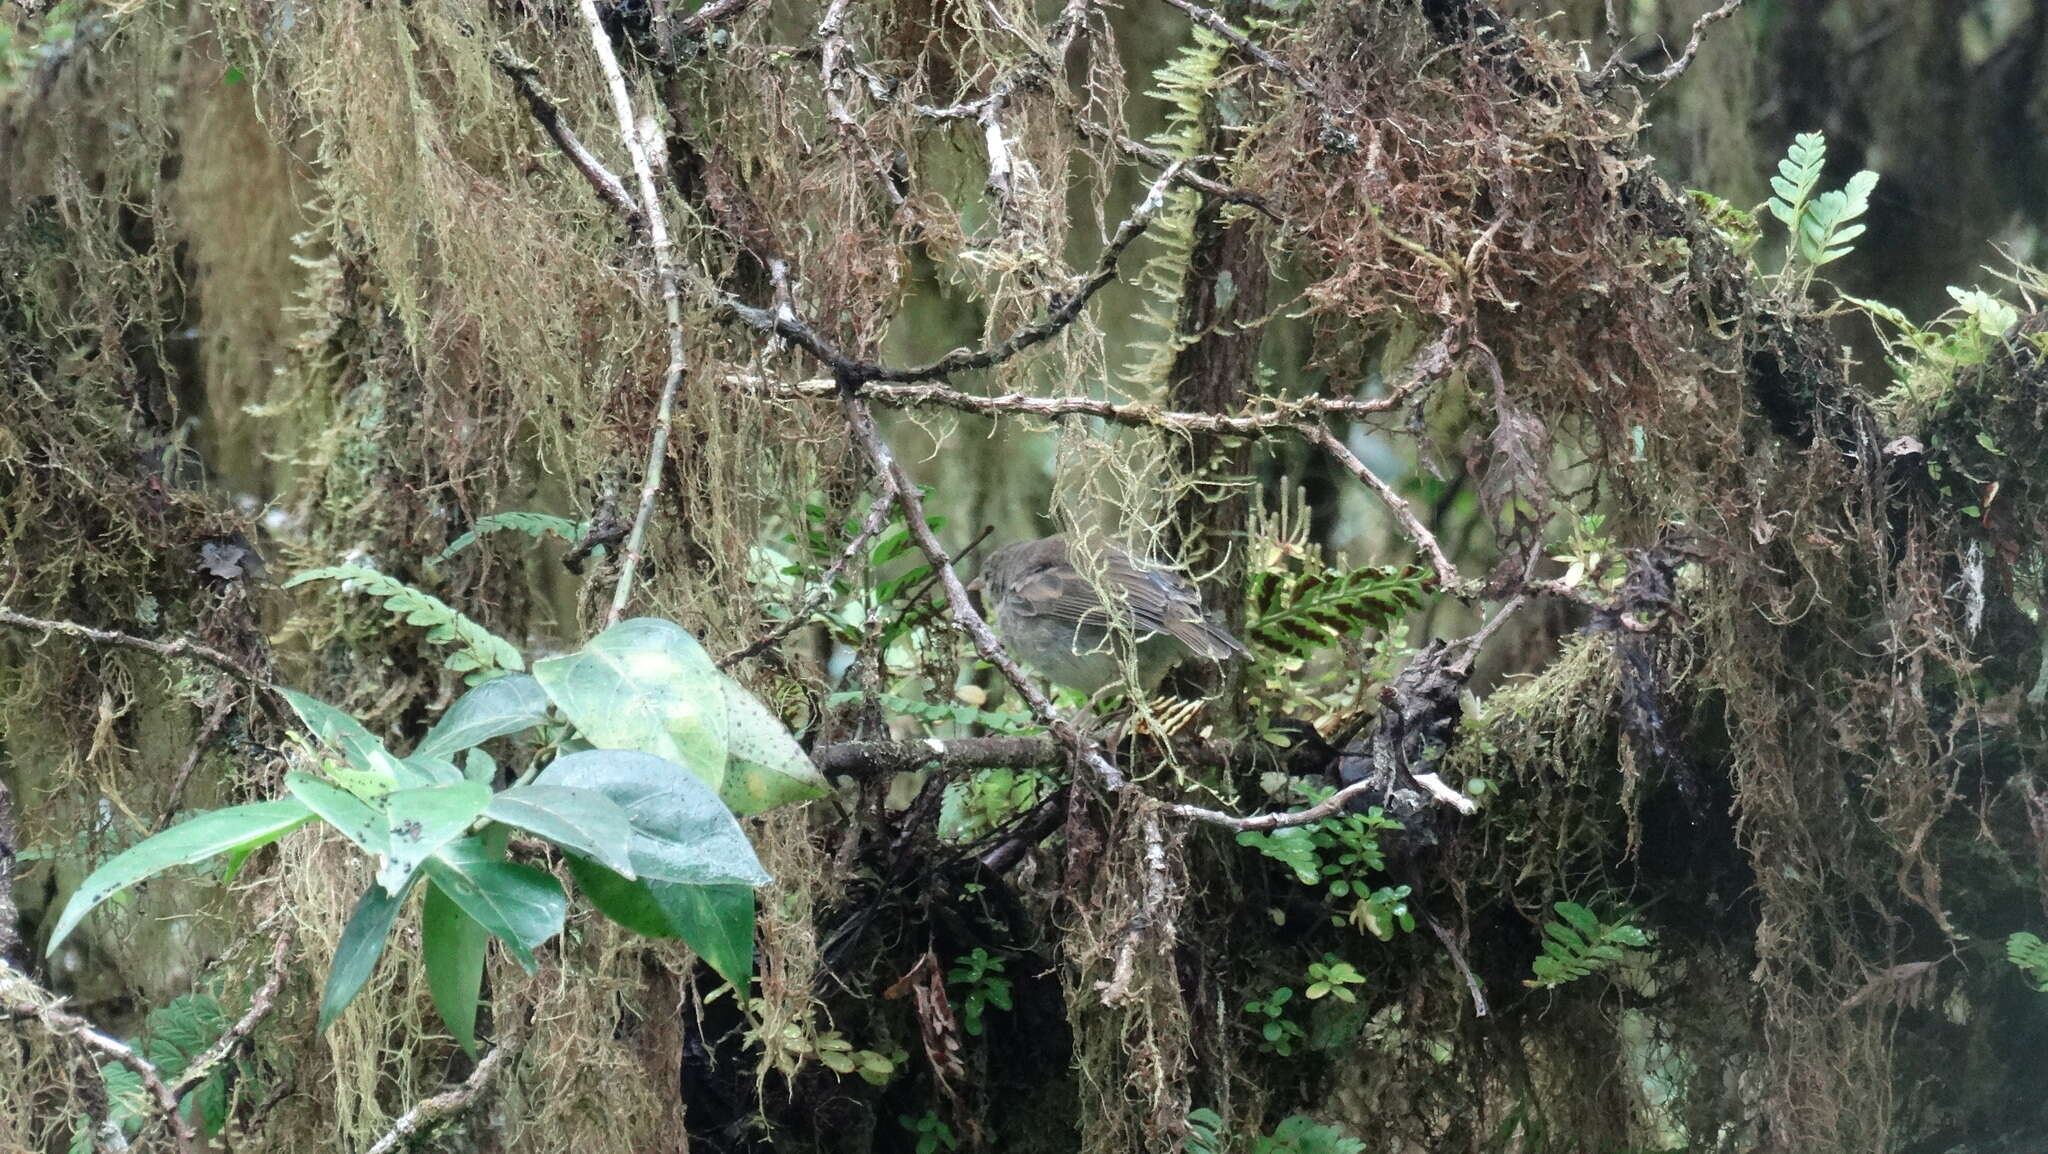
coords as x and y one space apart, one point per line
480 648
645 685
500 706
355 956
716 922
582 820
424 820
521 905
767 767
356 819
682 832
479 766
238 827
376 771
452 943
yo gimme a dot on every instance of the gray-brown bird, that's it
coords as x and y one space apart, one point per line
1052 617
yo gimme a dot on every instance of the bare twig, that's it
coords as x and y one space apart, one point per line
1450 945
223 706
259 1008
1084 750
1209 19
1261 822
1672 71
782 320
1446 572
525 78
176 647
446 1105
1187 177
715 12
22 999
1280 414
671 299
878 518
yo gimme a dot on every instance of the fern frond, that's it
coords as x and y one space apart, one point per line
1297 614
478 649
1579 945
2030 954
534 525
1798 175
1825 233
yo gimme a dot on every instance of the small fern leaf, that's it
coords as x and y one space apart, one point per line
1579 945
1798 175
534 525
1296 615
2030 954
478 649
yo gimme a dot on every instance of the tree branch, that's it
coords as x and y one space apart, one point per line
1677 67
446 1105
176 647
259 1008
878 517
22 999
524 77
671 299
1404 514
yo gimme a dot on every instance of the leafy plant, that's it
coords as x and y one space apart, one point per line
645 820
1337 853
980 974
1332 977
1279 1032
172 1037
2030 954
1295 1135
534 525
478 650
1301 1135
987 799
1297 613
932 1132
1580 944
1819 224
1589 555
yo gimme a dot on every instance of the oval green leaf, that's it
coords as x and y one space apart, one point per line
355 955
521 905
238 827
682 832
452 943
582 820
645 685
500 706
421 821
357 820
716 922
765 767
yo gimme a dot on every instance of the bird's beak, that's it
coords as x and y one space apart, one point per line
975 588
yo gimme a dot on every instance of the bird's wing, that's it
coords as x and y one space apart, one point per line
1159 600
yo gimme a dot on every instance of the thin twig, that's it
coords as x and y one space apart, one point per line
1279 819
714 12
176 647
1450 945
1321 435
446 1105
223 706
1221 27
671 299
259 1008
1281 414
782 320
22 999
878 518
525 78
1677 67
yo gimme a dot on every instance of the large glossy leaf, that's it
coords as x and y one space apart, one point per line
682 832
500 706
717 922
522 905
358 820
645 685
238 827
452 944
582 820
355 956
424 820
765 766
